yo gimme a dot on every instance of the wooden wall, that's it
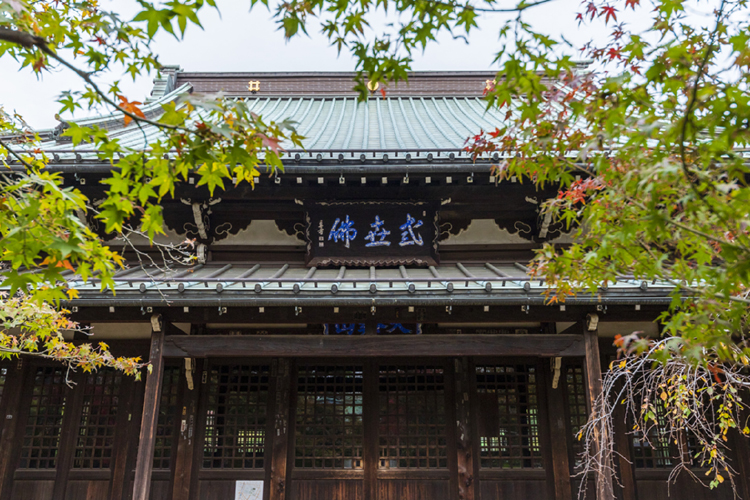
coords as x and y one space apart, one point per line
96 437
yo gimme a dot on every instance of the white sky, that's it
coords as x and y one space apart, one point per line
240 40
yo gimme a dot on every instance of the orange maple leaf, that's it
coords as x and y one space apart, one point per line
130 107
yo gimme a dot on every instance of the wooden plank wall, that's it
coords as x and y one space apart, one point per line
464 479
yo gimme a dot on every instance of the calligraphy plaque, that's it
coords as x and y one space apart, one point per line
371 233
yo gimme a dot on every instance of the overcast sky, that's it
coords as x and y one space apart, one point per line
240 40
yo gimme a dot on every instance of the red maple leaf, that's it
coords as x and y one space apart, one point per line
632 3
609 12
39 64
614 53
591 9
271 143
579 18
130 107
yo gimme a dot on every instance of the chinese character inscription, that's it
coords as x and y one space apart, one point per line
371 233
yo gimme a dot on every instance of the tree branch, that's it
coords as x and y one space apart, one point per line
16 155
29 41
518 8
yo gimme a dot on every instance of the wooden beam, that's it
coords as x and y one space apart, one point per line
373 346
279 484
593 373
558 430
145 457
14 408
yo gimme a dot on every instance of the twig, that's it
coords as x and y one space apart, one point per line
27 40
16 155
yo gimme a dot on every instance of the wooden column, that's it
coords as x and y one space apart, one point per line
467 484
740 444
558 428
144 460
15 394
371 458
593 373
625 466
126 433
68 435
182 478
280 452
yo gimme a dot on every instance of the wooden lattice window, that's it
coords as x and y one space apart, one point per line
413 417
329 428
42 434
575 391
508 417
168 415
236 417
653 453
98 425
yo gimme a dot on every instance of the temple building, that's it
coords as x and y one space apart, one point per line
360 326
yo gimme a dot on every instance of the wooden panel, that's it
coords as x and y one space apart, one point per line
32 490
366 345
87 490
328 490
403 489
512 490
159 490
684 488
216 490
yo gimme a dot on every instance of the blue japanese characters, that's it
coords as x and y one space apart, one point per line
367 233
344 232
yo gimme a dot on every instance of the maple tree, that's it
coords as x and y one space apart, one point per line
646 148
40 227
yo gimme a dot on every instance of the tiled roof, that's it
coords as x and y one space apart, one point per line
337 124
281 283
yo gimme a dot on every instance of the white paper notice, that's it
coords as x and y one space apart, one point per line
248 490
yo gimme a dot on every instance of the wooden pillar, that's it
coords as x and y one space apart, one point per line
144 460
126 433
371 458
593 373
558 428
740 444
467 484
182 477
625 466
16 387
68 435
279 484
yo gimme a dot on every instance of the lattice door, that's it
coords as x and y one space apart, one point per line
329 428
44 422
236 416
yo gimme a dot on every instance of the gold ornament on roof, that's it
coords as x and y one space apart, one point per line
253 86
373 86
489 84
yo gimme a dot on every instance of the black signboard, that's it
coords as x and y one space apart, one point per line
365 233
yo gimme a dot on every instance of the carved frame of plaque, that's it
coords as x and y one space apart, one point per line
329 253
